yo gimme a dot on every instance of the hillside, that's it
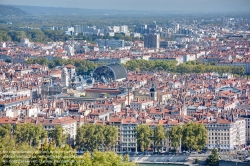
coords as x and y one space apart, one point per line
6 10
41 10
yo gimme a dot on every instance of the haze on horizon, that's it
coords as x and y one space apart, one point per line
208 6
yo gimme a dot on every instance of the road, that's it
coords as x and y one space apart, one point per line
182 158
159 159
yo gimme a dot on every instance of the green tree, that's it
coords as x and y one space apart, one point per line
176 136
16 36
110 136
42 61
12 153
213 158
4 36
6 150
58 136
126 158
30 61
143 134
159 136
48 155
87 159
194 136
91 137
196 161
109 158
36 35
29 133
5 130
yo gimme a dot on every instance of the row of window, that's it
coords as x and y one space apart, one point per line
218 134
218 129
49 127
129 140
220 145
129 144
218 138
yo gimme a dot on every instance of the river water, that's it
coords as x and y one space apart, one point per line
160 165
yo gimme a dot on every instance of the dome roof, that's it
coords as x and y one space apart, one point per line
117 72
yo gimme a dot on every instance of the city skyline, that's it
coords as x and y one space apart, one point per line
159 5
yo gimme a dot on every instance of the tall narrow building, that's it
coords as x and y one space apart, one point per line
152 41
65 77
153 93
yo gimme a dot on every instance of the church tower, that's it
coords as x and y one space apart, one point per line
153 93
65 77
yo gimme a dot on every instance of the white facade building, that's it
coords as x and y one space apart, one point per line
226 134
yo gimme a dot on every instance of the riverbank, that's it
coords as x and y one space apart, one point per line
162 164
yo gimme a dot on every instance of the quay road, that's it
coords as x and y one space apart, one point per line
182 158
167 158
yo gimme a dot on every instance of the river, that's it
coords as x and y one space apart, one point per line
160 164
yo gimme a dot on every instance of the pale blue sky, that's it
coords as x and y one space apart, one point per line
163 5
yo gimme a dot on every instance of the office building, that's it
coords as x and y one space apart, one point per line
151 41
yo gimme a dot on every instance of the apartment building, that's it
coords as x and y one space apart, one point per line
68 124
247 119
226 134
108 105
140 104
127 135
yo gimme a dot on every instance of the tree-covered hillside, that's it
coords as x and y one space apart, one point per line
10 11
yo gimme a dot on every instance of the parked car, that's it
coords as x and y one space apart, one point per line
193 152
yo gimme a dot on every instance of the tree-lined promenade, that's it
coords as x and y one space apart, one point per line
189 136
189 67
27 144
94 139
84 66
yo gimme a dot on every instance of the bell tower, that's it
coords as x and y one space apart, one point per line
153 93
65 77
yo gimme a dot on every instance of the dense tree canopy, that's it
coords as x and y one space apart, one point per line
143 135
91 137
144 65
189 67
35 35
29 133
176 136
82 66
13 152
159 136
5 130
58 136
194 136
191 135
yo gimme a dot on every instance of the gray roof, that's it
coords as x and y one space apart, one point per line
119 71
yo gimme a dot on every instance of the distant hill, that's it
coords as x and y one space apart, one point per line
6 10
40 10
